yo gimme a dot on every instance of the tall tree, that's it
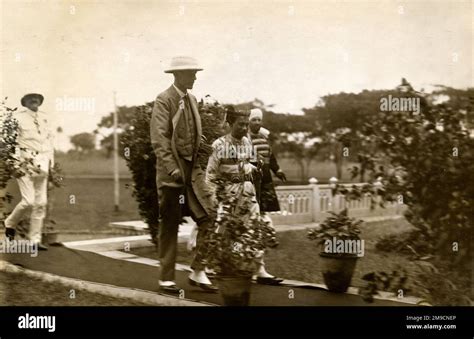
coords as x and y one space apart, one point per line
303 147
341 117
83 142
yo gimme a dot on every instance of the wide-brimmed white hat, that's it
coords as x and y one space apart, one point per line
183 63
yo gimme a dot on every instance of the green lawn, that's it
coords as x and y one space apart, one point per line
19 290
88 204
94 164
93 207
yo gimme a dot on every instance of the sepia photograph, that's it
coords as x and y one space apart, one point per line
178 153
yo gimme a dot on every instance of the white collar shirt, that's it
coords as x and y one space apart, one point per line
180 92
35 136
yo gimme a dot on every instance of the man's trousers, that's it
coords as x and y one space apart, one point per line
174 204
33 191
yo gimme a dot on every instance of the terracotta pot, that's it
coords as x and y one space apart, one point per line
338 271
235 290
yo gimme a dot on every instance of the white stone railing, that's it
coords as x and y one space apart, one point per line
311 203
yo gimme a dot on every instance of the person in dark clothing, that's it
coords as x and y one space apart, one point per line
263 181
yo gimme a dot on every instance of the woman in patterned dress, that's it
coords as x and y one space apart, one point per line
229 173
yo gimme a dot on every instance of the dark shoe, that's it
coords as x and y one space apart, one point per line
42 247
206 287
10 233
269 281
173 289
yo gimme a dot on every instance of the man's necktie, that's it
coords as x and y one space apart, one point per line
35 120
186 102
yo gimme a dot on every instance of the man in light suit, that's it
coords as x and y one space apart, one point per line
35 141
175 132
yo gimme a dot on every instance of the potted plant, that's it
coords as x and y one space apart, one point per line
233 245
340 247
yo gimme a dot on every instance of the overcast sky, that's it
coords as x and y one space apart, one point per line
287 53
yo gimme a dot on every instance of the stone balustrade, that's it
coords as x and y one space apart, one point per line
311 203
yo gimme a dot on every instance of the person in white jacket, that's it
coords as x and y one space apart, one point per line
35 140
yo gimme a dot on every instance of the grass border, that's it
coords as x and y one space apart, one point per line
104 289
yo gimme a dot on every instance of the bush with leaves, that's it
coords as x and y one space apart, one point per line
426 159
405 243
141 161
15 161
212 121
440 286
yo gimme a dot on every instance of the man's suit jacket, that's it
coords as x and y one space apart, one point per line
167 112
